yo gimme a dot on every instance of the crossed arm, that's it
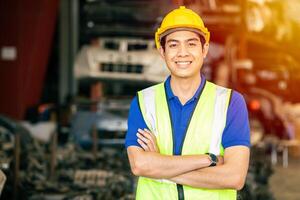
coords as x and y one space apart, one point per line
192 170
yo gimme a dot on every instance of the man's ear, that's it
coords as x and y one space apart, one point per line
205 49
162 52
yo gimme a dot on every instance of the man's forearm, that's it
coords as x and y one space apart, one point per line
231 175
155 165
219 177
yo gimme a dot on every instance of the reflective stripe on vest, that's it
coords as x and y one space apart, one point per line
204 134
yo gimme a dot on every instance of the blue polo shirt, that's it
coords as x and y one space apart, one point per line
236 132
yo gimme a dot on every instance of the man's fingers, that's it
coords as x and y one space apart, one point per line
142 137
144 146
146 134
148 138
151 134
146 141
153 139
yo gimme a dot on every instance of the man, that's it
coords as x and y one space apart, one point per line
187 138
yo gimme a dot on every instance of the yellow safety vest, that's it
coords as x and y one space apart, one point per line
204 134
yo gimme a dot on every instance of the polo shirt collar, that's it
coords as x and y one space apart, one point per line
170 94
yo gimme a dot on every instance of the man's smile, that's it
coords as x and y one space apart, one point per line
183 64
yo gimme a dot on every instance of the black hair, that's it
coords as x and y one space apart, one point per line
163 41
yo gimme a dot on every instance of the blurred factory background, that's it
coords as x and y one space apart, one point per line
69 69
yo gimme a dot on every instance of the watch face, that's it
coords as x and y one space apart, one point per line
214 159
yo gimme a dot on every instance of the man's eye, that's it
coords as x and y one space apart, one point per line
191 44
172 45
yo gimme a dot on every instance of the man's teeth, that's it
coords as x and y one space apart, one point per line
183 62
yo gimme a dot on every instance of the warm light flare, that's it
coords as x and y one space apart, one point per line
254 105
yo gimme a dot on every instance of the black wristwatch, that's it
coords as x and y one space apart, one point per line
213 159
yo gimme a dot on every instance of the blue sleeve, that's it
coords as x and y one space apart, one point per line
237 130
135 121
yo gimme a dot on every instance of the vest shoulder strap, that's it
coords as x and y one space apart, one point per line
221 104
146 99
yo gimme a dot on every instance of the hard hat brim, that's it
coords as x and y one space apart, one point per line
181 29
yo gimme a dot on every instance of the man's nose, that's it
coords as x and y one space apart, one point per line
182 51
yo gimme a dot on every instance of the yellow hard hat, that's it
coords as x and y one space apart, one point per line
181 18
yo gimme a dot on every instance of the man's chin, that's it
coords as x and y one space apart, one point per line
183 67
182 75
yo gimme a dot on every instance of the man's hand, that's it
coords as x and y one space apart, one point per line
147 140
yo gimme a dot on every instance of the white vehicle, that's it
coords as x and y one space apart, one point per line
121 59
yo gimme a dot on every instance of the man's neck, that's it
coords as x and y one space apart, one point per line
185 88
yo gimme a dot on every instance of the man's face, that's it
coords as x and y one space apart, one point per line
184 54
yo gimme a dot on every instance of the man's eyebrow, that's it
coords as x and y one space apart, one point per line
172 40
188 40
193 39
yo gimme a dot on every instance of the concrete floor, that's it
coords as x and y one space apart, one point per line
285 182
